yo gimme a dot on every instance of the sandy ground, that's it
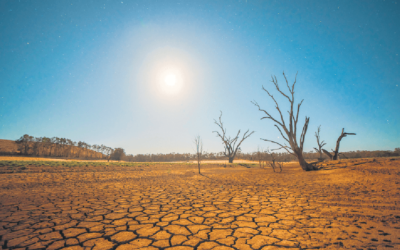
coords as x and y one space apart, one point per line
27 158
350 204
225 162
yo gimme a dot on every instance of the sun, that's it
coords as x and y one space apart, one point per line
170 79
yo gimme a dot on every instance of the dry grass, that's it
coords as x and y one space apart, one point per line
226 162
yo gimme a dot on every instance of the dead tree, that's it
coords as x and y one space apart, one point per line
336 151
260 157
320 144
328 154
199 150
274 164
290 130
230 143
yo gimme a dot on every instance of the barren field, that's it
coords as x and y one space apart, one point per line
351 204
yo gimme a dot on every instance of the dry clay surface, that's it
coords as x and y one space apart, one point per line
351 204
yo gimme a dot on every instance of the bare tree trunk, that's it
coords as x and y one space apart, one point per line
230 143
320 144
336 152
328 154
199 150
288 131
304 165
198 165
342 135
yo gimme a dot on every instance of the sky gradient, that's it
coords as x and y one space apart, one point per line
89 71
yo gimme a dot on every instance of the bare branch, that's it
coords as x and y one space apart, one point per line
275 81
303 133
295 80
290 134
287 83
336 151
268 115
281 146
320 144
282 134
230 143
327 153
297 118
276 105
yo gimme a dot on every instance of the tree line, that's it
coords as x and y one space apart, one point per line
173 157
286 157
66 148
254 156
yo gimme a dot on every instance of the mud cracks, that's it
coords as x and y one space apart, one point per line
171 207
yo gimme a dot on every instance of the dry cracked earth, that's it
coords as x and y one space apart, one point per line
350 204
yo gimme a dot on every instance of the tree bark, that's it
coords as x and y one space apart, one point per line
336 152
304 165
231 159
327 153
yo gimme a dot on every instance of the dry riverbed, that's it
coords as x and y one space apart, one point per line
352 204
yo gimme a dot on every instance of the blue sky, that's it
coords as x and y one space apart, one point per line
91 70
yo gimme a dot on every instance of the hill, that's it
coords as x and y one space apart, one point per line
8 147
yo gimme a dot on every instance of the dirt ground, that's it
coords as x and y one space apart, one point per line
351 204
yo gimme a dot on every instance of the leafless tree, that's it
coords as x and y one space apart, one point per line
274 164
230 143
199 150
328 154
336 151
290 130
320 143
260 156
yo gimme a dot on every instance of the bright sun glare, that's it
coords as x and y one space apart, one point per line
170 79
